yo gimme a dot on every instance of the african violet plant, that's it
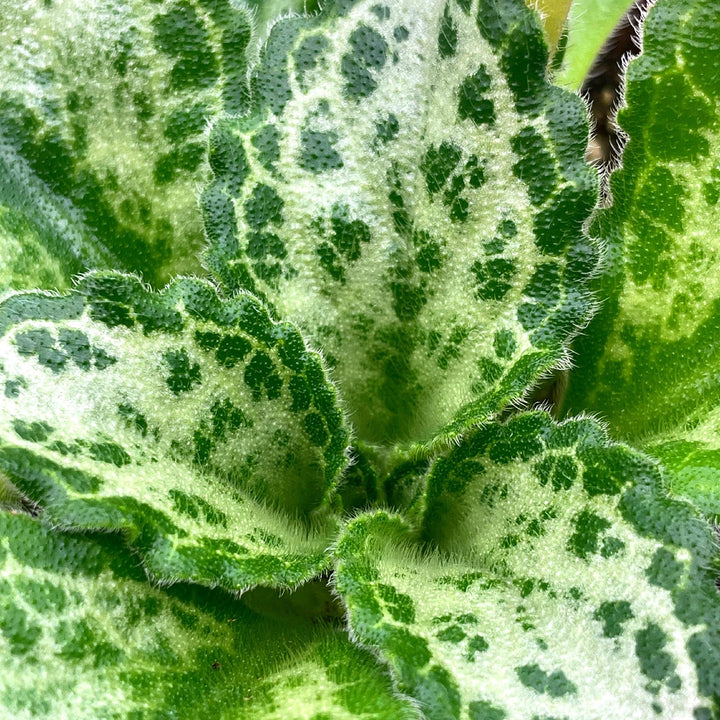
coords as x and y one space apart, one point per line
395 208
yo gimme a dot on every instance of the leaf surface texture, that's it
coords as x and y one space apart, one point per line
649 358
410 191
84 636
568 584
106 105
206 430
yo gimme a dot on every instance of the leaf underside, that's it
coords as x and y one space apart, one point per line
106 104
409 189
84 636
198 425
574 589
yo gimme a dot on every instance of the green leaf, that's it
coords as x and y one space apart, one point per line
108 104
197 425
10 496
43 241
691 455
410 191
83 635
554 15
590 23
575 588
650 356
267 11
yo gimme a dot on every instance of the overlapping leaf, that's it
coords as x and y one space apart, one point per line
105 103
590 23
576 589
410 191
83 635
554 14
189 421
650 357
691 455
43 241
265 12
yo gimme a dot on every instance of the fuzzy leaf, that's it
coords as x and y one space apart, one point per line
107 103
691 455
576 589
554 14
651 355
265 12
166 414
410 191
84 636
590 23
43 241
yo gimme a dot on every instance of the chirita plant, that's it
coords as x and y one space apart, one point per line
336 382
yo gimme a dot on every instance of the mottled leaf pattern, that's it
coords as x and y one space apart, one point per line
410 191
44 242
576 589
650 356
84 636
331 678
177 416
393 201
107 103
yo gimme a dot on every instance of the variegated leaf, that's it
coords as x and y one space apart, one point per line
83 636
410 191
43 241
197 425
106 102
575 588
650 356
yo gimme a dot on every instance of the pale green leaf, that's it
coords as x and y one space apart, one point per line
267 11
590 23
691 455
107 102
83 636
575 588
410 191
198 425
650 356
